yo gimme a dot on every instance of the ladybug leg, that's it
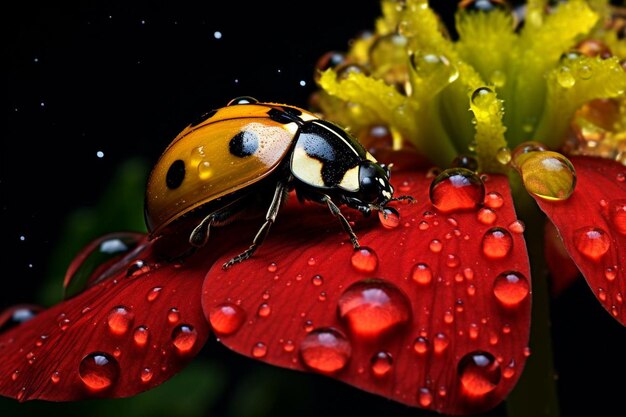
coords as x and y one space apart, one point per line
200 234
280 195
344 222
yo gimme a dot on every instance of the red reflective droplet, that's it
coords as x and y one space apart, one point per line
140 336
184 338
457 189
479 373
592 242
98 371
497 243
381 364
259 350
364 259
511 288
325 350
617 214
373 307
422 274
389 217
119 320
226 318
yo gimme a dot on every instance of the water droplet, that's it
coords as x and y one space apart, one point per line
486 215
425 397
55 377
435 246
119 320
389 217
457 189
610 273
465 161
433 68
381 364
494 200
420 345
511 288
173 315
364 259
146 375
565 78
373 307
98 371
503 155
497 243
317 280
15 375
452 261
524 150
548 175
289 346
259 350
264 310
153 293
141 335
184 338
484 101
226 318
517 226
311 261
479 373
592 242
617 214
137 268
205 171
272 267
422 274
325 350
20 394
441 342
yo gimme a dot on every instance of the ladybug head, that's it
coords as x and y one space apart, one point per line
374 185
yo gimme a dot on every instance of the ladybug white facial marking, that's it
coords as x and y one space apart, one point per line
248 152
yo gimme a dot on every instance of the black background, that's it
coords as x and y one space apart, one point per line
125 79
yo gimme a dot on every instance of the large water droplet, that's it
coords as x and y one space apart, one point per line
325 350
479 373
364 259
184 338
119 320
373 307
226 318
389 217
457 189
141 335
592 242
98 371
511 288
381 364
548 175
497 243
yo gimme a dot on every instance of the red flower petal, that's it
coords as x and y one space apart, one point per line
563 271
420 314
126 334
592 225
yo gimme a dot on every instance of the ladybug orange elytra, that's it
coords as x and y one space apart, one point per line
250 154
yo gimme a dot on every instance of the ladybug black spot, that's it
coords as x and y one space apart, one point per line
244 144
175 174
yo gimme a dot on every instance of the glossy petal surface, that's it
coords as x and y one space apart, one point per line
123 335
420 315
592 225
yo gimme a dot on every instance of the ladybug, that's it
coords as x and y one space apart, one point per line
250 154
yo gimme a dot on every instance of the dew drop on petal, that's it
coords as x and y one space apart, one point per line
98 371
493 199
55 377
435 246
184 338
592 242
479 373
617 214
153 293
548 175
610 273
381 364
508 371
317 280
486 215
421 273
425 397
497 243
173 315
146 375
389 217
421 345
119 320
259 350
373 307
141 335
325 350
364 259
272 267
517 226
457 189
226 318
264 310
511 288
440 343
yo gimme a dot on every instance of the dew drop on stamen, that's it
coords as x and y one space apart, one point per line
364 259
184 338
226 318
479 373
325 350
373 307
592 242
98 371
457 189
